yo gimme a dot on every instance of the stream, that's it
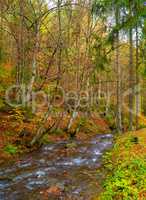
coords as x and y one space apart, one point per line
55 172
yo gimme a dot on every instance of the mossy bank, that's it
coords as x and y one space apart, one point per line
126 168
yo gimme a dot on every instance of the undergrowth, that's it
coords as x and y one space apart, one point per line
126 168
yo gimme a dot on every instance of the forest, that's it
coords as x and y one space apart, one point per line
72 99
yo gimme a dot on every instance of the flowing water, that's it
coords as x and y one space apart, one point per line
56 172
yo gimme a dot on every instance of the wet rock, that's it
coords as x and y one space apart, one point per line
71 145
53 190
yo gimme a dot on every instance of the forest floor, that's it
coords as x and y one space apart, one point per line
13 143
126 167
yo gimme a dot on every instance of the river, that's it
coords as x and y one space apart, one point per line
59 171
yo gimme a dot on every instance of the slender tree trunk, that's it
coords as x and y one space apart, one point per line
41 129
131 73
78 83
78 57
34 61
20 49
60 41
99 89
137 81
1 33
107 98
21 40
118 67
72 118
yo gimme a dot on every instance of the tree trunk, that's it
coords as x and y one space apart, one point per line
99 89
1 33
60 41
118 67
72 118
107 98
131 74
41 130
137 82
34 61
21 41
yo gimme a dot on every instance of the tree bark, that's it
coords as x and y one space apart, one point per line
137 81
60 41
41 130
34 61
131 73
118 67
1 32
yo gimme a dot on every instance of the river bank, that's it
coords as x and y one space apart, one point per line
17 130
126 167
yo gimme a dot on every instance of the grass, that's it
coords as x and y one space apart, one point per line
126 166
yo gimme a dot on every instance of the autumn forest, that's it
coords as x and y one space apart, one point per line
72 99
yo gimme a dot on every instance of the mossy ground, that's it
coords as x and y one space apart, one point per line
126 168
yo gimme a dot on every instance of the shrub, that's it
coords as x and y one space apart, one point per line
11 149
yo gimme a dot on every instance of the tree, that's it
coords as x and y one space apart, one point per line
119 90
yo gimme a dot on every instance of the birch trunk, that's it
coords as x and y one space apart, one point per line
34 62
